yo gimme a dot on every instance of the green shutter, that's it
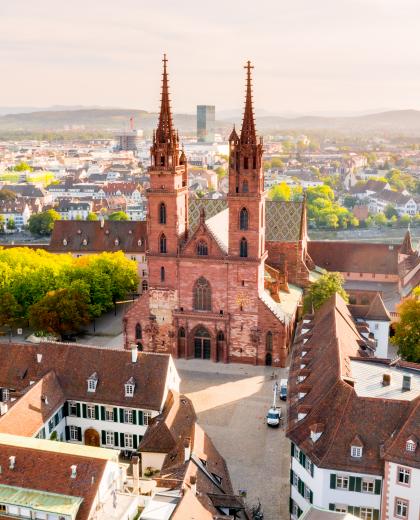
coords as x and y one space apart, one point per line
311 496
301 455
103 437
331 507
78 409
352 483
356 511
377 486
333 479
303 459
299 512
122 440
290 502
358 484
103 413
96 412
134 416
135 442
84 411
312 469
67 431
116 443
291 477
121 415
376 514
79 434
350 509
66 409
115 414
301 487
292 449
141 418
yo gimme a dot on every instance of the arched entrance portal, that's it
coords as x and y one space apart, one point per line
92 438
268 359
202 343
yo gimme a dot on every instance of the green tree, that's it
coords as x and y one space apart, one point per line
280 192
10 310
23 167
61 311
380 219
390 211
118 215
404 220
11 224
1 224
43 223
407 329
321 290
221 172
92 216
349 201
277 163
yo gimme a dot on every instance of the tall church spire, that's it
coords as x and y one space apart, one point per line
165 132
248 133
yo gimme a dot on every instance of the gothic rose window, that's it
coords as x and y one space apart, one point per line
202 295
162 213
243 248
202 249
243 219
162 244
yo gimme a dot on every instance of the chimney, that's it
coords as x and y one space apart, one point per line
12 462
406 383
73 471
187 449
39 358
136 474
134 353
193 483
3 408
386 379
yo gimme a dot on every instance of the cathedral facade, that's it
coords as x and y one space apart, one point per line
222 286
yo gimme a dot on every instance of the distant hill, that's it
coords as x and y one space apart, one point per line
113 119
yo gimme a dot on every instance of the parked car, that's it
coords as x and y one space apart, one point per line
283 389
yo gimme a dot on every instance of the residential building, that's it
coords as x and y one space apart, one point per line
352 421
74 210
15 214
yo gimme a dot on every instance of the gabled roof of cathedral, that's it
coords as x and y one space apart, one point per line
283 219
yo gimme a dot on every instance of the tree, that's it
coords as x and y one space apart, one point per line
404 220
7 195
276 162
43 223
92 216
407 330
349 201
280 192
118 215
321 290
380 219
11 224
23 167
1 224
10 310
390 211
61 311
220 172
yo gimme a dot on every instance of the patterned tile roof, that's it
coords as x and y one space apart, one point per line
282 218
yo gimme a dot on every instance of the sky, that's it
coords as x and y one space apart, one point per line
310 56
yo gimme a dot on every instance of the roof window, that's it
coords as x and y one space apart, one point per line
92 382
356 452
129 387
410 445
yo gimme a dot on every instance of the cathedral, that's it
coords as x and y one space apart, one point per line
225 276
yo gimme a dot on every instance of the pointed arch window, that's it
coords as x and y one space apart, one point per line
243 248
139 332
243 219
181 333
269 341
245 187
202 295
162 213
246 162
162 274
202 248
162 244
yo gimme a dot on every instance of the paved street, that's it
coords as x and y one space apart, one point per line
231 402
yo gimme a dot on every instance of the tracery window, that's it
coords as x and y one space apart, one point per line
202 295
202 248
243 248
243 219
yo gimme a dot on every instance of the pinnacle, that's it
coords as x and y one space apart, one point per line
164 131
248 133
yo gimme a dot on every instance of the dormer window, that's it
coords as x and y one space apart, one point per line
116 242
356 452
92 382
64 242
84 242
129 387
410 445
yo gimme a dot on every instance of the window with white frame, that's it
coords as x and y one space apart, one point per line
129 390
128 416
356 451
404 476
410 445
72 408
368 485
109 414
5 395
307 493
295 509
401 508
295 480
90 412
74 433
366 513
128 440
109 438
146 418
342 482
92 385
297 452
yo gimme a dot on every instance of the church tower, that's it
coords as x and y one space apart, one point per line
246 194
167 217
